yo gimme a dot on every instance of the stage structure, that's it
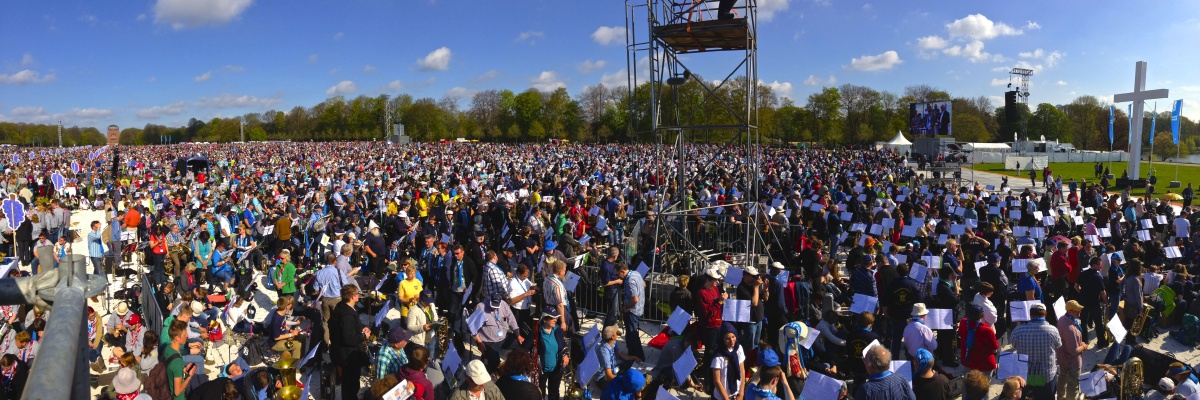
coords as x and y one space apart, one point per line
658 34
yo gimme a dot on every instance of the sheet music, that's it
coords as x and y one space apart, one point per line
821 387
864 303
1012 364
1020 265
733 275
736 311
679 320
940 319
903 368
1093 383
684 366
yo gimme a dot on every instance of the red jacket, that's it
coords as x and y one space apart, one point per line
709 312
1059 265
982 355
1073 264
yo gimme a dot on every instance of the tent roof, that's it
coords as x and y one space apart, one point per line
899 140
987 146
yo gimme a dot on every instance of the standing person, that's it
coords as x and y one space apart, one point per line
1092 297
329 283
708 310
612 285
634 299
346 336
883 384
15 373
493 336
178 374
285 275
462 271
946 296
96 248
927 384
977 341
556 296
414 372
495 281
553 354
409 290
1039 340
917 336
1070 354
857 341
478 385
728 366
158 254
520 298
392 356
901 297
516 376
1131 291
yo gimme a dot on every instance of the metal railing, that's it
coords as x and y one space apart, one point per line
62 354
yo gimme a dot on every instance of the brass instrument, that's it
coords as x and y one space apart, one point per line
372 340
1131 380
574 392
442 330
287 372
1139 323
1107 335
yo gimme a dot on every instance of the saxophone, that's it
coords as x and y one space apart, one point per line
443 335
1131 380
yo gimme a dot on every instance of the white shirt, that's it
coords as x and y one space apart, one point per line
1182 227
517 287
989 310
719 364
1150 282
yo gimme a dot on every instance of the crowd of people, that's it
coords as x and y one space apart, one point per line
479 249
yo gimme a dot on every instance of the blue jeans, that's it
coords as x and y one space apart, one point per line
1118 354
751 334
633 335
614 304
97 265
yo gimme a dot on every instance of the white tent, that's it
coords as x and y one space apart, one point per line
899 143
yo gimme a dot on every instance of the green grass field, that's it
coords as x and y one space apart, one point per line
1083 171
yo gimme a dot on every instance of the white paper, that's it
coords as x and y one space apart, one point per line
1012 364
943 238
663 394
1092 384
476 320
811 338
1019 311
846 216
864 303
572 282
869 346
1172 252
468 291
876 229
684 366
909 231
311 353
1020 265
933 262
979 265
901 258
591 338
783 276
643 269
940 319
583 241
736 311
958 229
821 387
994 210
588 369
1060 307
387 306
903 368
679 320
918 272
398 392
1118 331
1143 235
1104 232
1147 224
733 275
1162 219
858 227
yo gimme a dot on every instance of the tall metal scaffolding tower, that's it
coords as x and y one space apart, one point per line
658 35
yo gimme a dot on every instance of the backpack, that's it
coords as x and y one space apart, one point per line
271 277
1189 332
157 385
789 297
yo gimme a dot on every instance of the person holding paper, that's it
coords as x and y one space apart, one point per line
608 355
1092 297
883 384
709 309
859 338
900 297
946 295
752 288
981 300
1039 340
917 336
1070 354
728 366
977 341
1131 291
927 384
494 334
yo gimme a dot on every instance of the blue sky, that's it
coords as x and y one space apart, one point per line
164 61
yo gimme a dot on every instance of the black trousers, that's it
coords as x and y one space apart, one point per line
725 9
550 383
1090 318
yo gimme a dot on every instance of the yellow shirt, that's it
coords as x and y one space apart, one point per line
423 207
409 289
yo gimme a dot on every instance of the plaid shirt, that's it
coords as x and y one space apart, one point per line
495 282
1038 340
388 362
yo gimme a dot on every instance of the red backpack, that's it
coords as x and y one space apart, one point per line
789 296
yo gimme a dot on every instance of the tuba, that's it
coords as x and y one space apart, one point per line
1139 323
1131 380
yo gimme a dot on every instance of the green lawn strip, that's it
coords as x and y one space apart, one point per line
1083 171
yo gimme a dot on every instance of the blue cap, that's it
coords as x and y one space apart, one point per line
924 360
768 358
994 257
550 245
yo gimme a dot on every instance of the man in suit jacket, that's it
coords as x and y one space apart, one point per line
944 121
463 273
346 336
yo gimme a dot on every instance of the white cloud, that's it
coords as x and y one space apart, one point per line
1061 83
312 58
768 8
339 35
1000 82
26 76
531 36
203 77
973 51
487 76
369 68
1032 54
235 68
979 27
867 7
27 111
590 66
157 112
615 79
87 113
183 14
235 101
814 80
1050 58
606 35
781 89
459 92
437 60
547 81
1054 57
932 42
887 60
1032 25
342 88
393 86
27 60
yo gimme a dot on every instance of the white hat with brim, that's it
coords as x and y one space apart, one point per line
126 381
919 310
713 273
478 373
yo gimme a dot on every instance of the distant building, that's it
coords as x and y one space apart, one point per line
114 135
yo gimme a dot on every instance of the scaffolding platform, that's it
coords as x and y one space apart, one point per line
701 36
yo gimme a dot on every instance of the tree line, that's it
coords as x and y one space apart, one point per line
834 115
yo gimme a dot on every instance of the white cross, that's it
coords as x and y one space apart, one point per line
1138 97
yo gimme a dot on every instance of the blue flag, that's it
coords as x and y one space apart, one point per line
1175 120
1153 121
1130 123
1111 116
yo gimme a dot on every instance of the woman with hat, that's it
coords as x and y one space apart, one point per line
926 383
728 365
552 353
477 385
127 384
517 374
977 341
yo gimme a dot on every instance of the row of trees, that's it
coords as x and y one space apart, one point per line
843 114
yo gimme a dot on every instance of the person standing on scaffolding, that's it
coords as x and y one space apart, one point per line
725 9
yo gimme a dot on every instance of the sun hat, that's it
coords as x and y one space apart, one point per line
126 381
478 373
122 309
919 310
